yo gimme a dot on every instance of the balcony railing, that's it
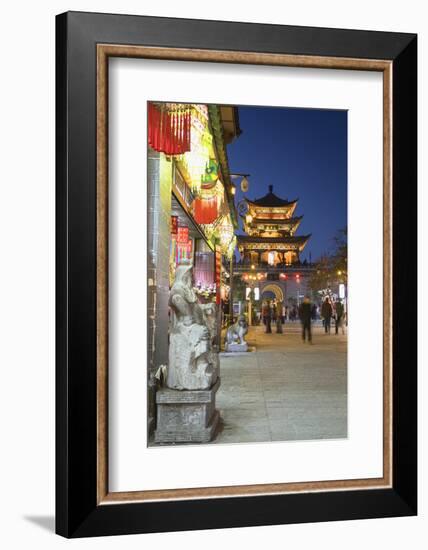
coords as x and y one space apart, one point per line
239 266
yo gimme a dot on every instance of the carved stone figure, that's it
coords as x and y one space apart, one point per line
235 335
210 318
192 363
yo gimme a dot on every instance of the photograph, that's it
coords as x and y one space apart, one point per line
233 205
247 270
213 265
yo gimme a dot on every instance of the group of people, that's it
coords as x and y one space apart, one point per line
306 312
329 311
280 312
286 313
269 314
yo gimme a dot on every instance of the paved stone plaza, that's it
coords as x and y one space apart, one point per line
285 390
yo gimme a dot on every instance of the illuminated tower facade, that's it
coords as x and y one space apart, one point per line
270 226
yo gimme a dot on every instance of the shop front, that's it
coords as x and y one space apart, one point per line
191 213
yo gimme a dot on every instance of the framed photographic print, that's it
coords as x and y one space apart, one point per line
236 244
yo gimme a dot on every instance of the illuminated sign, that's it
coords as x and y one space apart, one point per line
182 235
256 293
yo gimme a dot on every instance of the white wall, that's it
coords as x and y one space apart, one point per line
27 271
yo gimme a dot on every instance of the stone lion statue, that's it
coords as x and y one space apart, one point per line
193 365
235 333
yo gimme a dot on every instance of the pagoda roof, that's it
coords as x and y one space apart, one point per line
271 200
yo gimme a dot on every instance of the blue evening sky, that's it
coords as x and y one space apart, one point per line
303 154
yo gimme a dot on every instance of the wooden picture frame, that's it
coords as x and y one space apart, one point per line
84 43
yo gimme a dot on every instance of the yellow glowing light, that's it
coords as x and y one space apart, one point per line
339 272
232 189
195 160
226 234
249 218
231 247
224 230
253 267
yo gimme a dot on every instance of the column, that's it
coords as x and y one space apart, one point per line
159 183
231 290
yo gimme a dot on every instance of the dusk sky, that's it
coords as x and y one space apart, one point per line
303 154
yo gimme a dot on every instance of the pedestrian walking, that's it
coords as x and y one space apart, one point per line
293 315
278 318
339 315
267 317
327 312
314 312
274 312
305 315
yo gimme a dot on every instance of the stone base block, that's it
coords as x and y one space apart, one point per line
186 416
230 348
251 349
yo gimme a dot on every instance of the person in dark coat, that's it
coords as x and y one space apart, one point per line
339 315
268 317
327 312
314 312
305 315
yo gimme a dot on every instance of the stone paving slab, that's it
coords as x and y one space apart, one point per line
286 390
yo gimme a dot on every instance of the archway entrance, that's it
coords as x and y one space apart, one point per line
271 291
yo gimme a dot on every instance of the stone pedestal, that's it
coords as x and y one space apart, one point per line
235 347
186 416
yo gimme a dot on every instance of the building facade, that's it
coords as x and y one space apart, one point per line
269 262
191 212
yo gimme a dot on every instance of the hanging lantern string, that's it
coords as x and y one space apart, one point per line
169 128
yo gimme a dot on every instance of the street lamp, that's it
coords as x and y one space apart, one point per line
244 181
244 184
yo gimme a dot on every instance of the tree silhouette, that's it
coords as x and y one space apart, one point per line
332 266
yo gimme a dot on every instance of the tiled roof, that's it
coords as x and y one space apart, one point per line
270 199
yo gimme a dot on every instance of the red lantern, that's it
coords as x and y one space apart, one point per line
169 129
205 207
